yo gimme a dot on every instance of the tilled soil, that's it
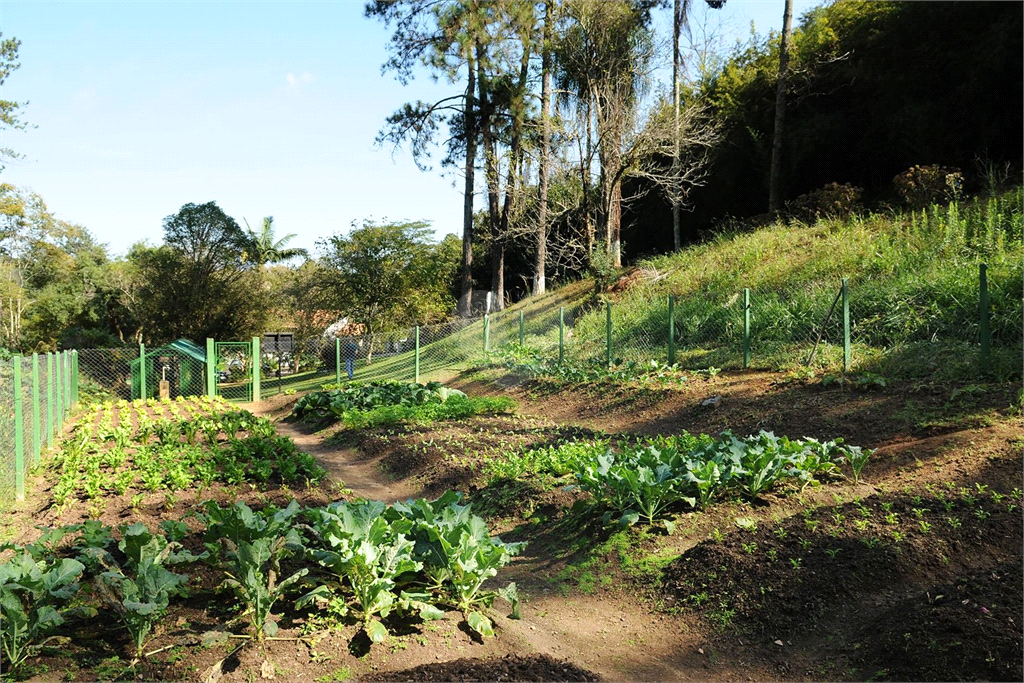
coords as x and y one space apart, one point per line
507 668
912 574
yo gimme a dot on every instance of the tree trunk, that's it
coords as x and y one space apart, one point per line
585 178
539 284
677 241
498 275
465 307
775 176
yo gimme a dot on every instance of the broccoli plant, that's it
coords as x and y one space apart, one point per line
139 589
361 547
250 546
31 595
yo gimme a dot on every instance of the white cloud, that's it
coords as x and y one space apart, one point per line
294 81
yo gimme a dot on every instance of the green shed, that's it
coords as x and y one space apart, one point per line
182 363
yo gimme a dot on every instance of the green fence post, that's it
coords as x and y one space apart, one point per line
256 358
608 327
63 372
37 440
74 377
211 368
59 406
142 371
671 330
522 329
846 325
983 327
487 333
746 328
416 361
51 387
561 334
19 433
337 360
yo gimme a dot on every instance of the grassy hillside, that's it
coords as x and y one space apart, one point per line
913 287
913 283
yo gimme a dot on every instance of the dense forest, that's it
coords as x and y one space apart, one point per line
574 163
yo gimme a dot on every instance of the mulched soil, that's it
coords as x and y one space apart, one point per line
508 668
820 579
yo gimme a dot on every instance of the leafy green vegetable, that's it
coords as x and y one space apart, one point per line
250 547
31 594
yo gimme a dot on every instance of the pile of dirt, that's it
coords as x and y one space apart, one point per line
832 569
966 630
507 668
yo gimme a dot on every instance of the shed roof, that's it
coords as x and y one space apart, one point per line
183 346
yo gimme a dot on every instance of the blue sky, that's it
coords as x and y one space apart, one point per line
267 108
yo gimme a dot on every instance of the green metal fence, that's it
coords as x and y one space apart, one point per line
37 395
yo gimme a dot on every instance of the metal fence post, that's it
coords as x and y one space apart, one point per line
487 332
416 358
561 334
983 327
211 368
142 371
846 325
671 330
337 360
746 328
256 361
74 377
59 371
522 330
65 386
37 442
19 433
608 327
51 387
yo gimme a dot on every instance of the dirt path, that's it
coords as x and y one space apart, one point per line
346 466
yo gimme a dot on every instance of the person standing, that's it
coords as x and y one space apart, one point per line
351 348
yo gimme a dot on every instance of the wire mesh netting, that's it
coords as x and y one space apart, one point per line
107 373
36 393
7 455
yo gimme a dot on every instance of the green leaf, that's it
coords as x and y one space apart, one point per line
270 628
480 623
629 518
376 631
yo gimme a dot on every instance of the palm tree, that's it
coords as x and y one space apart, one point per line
263 249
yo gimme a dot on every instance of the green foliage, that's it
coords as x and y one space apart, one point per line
363 406
334 402
376 552
531 362
32 595
250 547
198 284
139 589
388 276
260 457
641 481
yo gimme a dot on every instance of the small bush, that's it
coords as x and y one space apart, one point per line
920 186
832 201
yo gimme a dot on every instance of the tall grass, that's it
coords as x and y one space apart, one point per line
913 281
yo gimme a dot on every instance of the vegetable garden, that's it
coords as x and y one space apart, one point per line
193 540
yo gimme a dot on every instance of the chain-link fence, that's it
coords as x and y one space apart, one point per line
37 394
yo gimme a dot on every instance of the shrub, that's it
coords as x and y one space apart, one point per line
920 186
833 200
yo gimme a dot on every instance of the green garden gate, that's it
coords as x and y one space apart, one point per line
234 368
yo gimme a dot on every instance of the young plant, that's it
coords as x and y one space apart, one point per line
361 547
140 589
250 546
31 594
